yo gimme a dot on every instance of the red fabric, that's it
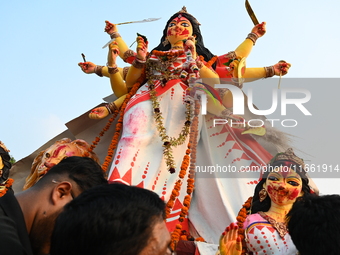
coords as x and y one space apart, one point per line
186 248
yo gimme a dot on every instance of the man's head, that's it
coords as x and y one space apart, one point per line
112 219
42 203
314 224
58 151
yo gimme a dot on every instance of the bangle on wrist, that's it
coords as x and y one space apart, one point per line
112 69
114 35
140 60
226 113
111 107
231 55
127 55
253 37
125 71
269 71
138 64
99 70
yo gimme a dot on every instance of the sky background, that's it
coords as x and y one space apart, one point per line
42 86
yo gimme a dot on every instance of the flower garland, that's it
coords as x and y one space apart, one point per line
210 62
167 55
178 234
241 218
6 186
168 142
107 126
119 125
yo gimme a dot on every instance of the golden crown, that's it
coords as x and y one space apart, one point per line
288 155
2 145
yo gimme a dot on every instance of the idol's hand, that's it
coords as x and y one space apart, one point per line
190 44
259 29
281 68
87 67
230 242
99 113
113 54
110 28
142 48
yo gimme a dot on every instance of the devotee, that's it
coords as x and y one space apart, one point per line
112 219
314 225
27 219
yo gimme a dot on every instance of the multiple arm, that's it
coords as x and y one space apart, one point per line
208 75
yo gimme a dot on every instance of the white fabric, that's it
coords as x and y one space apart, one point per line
139 158
263 239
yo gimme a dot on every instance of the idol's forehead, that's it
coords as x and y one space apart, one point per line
284 171
179 18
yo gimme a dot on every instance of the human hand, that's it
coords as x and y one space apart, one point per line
142 48
281 68
87 67
230 242
99 113
259 29
113 54
110 28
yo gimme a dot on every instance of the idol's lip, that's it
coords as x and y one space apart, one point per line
282 193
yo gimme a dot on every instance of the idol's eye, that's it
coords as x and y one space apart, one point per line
172 24
293 183
47 155
273 178
185 24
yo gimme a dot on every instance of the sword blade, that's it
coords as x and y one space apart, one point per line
251 13
139 21
108 43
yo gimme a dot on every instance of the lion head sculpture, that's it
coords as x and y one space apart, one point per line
54 154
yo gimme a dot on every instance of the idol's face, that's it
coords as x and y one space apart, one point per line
283 185
179 29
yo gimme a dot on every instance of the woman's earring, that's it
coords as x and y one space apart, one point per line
262 194
165 42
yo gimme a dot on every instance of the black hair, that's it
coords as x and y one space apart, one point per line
314 224
200 48
6 158
85 172
110 219
265 204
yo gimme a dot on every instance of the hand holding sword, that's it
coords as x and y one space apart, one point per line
259 29
111 29
282 67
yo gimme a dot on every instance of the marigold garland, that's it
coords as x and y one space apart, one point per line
241 218
119 125
6 186
168 142
107 127
177 234
211 61
171 53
